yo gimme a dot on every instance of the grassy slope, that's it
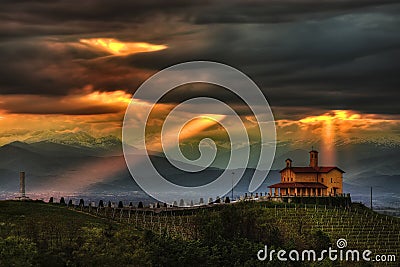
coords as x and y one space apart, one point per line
41 234
55 226
23 211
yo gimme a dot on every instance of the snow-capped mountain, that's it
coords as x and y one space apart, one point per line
77 139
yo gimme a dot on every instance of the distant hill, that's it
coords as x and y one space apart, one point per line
56 167
83 163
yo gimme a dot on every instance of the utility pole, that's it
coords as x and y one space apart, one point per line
22 185
233 173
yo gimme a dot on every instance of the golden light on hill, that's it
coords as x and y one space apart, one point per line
119 48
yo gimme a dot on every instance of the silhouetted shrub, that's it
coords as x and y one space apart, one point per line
51 200
81 202
120 205
140 205
227 200
62 201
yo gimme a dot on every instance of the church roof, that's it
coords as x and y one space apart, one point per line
313 170
298 185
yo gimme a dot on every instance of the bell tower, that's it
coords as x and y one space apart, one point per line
314 158
288 163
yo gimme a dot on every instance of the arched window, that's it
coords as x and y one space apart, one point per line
322 179
331 180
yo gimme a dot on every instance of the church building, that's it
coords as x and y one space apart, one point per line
313 180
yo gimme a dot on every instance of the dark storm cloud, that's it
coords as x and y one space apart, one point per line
98 15
281 11
346 62
34 67
51 67
330 54
93 110
27 18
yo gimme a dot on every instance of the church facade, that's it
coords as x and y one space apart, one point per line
313 180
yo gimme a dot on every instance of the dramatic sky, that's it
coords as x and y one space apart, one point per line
329 68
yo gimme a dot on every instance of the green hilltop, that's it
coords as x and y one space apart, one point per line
33 233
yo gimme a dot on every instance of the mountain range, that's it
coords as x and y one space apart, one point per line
79 162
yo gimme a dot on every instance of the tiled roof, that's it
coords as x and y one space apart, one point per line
298 185
313 170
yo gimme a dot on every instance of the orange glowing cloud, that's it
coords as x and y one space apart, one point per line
94 112
199 124
115 97
340 125
182 131
87 103
345 120
119 48
338 115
